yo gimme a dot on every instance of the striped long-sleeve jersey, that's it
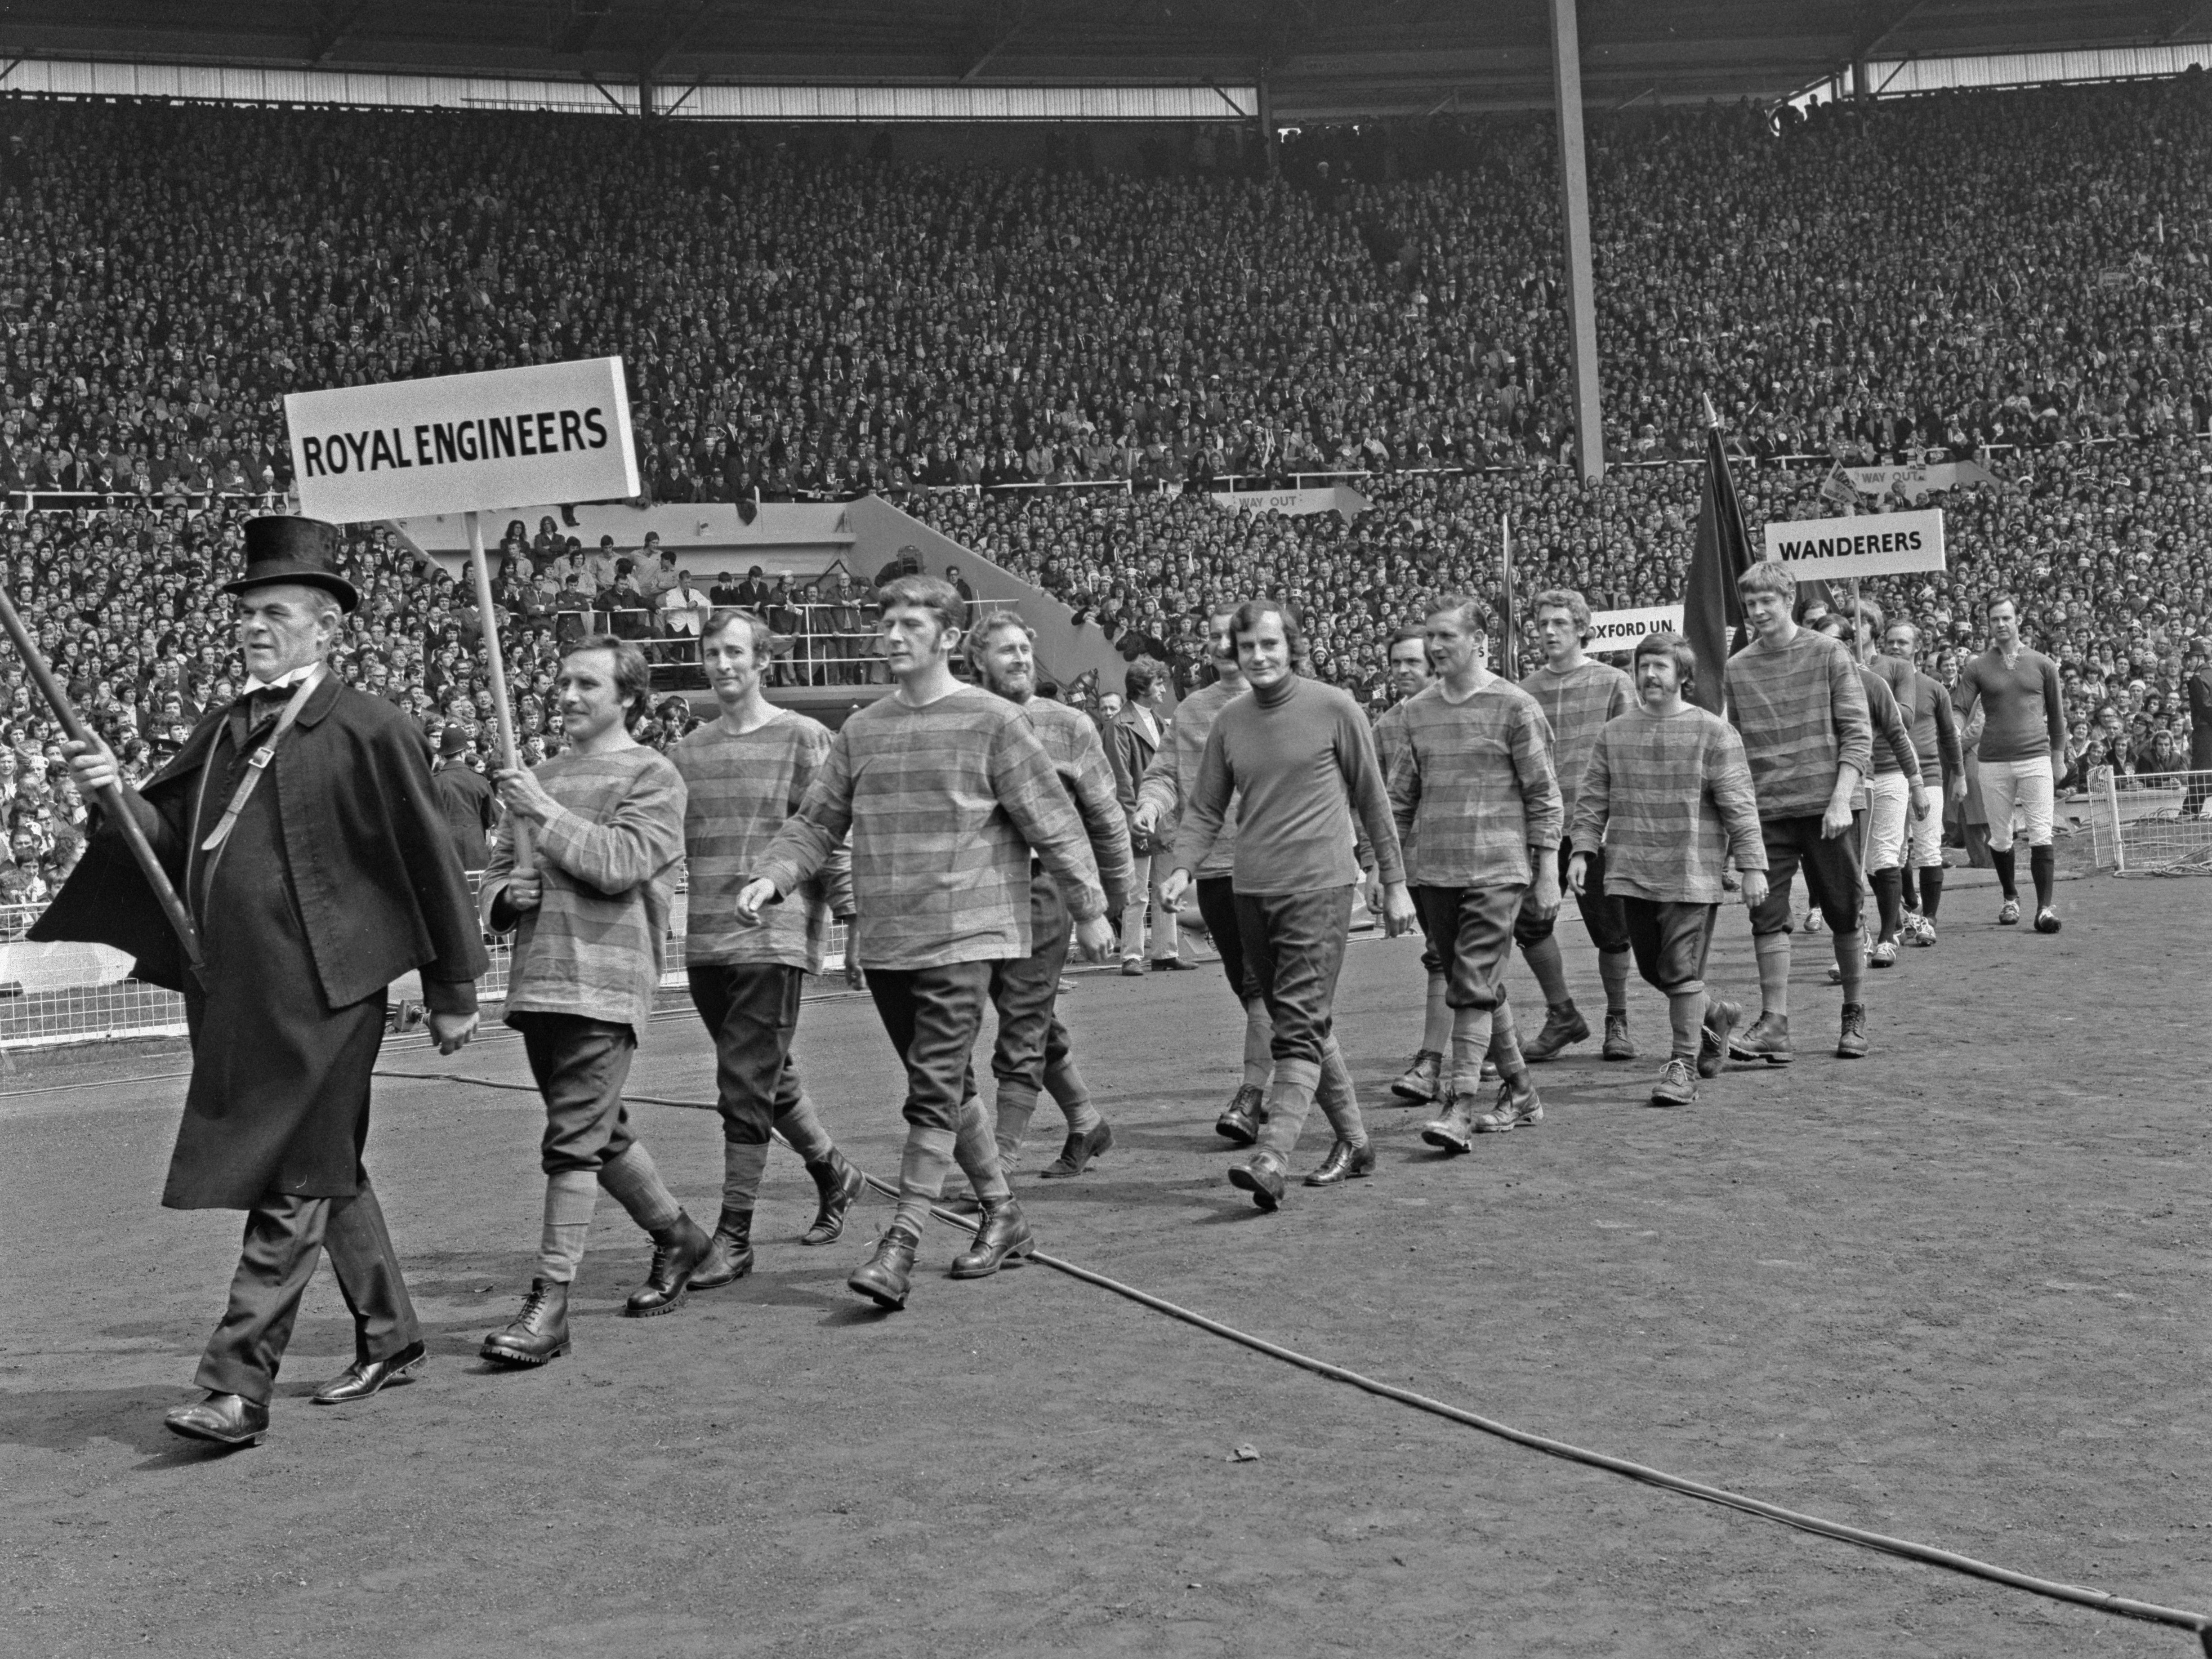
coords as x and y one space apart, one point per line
1578 704
597 941
1173 773
741 787
1077 755
945 803
1669 798
1802 713
1474 787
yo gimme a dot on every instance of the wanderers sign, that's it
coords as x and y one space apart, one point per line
1871 544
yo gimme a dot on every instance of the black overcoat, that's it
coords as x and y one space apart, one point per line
345 878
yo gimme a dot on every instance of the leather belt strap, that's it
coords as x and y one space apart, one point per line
258 763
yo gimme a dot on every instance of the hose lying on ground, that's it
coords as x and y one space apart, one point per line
2099 1600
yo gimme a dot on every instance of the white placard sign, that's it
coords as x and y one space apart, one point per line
1872 545
461 443
1619 630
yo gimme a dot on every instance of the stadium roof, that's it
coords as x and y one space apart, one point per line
1319 57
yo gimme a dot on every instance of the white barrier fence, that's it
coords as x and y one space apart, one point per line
2151 823
53 994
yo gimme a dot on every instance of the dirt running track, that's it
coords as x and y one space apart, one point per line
1955 1291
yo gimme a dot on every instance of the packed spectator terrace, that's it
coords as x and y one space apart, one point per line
1053 366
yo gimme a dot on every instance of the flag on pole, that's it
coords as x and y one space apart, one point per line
1509 643
1713 612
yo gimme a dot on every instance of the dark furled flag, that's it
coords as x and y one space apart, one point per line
1509 633
1712 613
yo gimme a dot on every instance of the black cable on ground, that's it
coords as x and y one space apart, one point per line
2198 1624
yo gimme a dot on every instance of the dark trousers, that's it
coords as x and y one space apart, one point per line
284 1234
1470 931
1600 910
1831 873
580 1066
934 1016
1294 943
752 1009
1670 942
1217 907
1025 989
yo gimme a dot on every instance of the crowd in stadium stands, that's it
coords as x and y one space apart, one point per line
2025 277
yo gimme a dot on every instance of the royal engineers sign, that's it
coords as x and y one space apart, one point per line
1621 630
555 431
1875 545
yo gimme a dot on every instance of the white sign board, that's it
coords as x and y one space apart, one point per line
1616 630
1295 504
1872 545
463 443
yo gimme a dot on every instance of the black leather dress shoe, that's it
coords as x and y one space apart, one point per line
1004 1239
539 1334
837 1182
729 1254
883 1277
1075 1157
227 1419
1345 1163
676 1254
1262 1177
365 1376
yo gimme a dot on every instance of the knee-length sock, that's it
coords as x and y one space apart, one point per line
1686 1017
922 1169
1258 1044
2043 870
802 1126
743 1163
1931 890
570 1198
1550 969
1338 1099
976 1150
635 1184
1470 1041
1436 1017
1065 1083
1889 900
2006 878
1016 1105
1614 968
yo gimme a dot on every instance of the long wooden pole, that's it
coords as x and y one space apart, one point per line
112 801
524 861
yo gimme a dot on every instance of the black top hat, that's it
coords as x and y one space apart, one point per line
280 548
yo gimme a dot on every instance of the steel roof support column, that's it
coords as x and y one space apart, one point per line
1574 216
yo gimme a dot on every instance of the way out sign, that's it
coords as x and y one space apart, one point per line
1872 545
459 443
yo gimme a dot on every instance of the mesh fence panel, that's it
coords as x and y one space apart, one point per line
2154 823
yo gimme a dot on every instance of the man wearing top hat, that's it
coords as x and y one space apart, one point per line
300 826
